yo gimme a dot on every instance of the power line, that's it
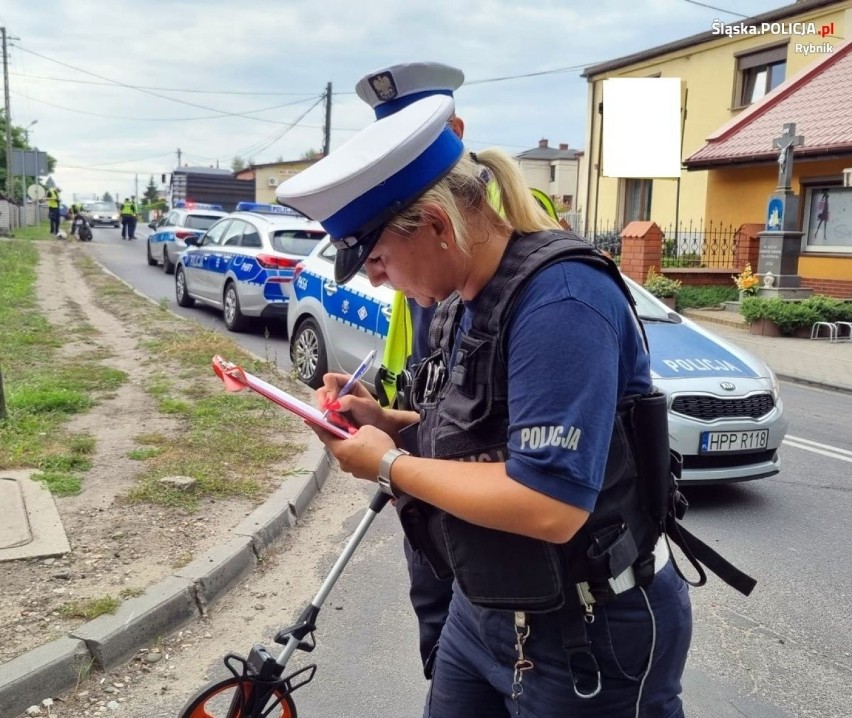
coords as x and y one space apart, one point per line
258 147
148 92
121 162
171 89
717 9
161 119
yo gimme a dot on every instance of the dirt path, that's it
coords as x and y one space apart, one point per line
117 549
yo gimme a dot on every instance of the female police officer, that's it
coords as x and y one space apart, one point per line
523 472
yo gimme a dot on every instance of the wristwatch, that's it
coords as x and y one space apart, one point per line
385 465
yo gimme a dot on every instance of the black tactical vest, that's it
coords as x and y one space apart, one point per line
464 416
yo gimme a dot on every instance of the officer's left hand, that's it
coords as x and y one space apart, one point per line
361 453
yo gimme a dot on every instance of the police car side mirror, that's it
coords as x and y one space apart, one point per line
152 225
194 241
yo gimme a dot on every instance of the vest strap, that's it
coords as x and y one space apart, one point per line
698 552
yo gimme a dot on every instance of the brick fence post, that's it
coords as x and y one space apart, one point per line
747 246
641 249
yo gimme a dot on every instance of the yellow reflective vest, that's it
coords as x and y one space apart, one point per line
128 208
52 198
400 329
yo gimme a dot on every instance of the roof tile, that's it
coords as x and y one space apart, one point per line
818 100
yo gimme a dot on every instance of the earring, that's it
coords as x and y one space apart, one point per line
444 245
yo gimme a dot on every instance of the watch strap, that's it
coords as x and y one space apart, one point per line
385 465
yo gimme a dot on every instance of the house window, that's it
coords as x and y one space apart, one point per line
828 218
553 173
759 73
636 199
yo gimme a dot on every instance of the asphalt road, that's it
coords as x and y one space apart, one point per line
783 652
128 260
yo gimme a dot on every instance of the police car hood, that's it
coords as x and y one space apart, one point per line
684 350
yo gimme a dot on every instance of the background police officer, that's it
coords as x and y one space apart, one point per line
53 202
128 219
387 91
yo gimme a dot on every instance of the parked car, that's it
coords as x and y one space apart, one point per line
101 213
169 234
332 326
726 417
244 263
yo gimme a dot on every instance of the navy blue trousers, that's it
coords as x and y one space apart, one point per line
640 640
430 598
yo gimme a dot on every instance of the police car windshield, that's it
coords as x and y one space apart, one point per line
296 241
647 307
102 206
199 221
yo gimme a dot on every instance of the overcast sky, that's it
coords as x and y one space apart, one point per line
116 88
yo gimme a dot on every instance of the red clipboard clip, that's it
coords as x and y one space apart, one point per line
236 378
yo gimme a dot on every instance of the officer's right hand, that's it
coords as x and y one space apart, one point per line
359 406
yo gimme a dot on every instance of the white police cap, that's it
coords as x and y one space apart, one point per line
392 88
358 188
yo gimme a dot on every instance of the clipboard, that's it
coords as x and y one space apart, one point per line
236 379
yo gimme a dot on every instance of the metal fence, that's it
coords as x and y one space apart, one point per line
690 244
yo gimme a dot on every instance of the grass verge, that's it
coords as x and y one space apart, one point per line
231 444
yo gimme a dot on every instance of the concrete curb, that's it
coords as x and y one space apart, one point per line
110 640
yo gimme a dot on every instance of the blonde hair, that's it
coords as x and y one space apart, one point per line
465 188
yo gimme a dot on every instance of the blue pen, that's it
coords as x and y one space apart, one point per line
356 375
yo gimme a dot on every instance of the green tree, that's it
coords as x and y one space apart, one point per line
150 195
107 197
238 164
18 143
311 154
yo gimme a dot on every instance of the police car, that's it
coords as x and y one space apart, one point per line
169 235
332 326
244 263
726 417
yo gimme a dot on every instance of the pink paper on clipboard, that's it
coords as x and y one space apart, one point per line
236 379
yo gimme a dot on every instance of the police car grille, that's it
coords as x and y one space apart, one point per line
707 408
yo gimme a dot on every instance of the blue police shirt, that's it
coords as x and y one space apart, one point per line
421 319
574 349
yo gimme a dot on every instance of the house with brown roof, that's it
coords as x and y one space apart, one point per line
732 76
742 166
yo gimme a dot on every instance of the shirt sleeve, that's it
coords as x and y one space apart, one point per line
564 359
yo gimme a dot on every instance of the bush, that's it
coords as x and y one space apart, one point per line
661 286
790 315
696 297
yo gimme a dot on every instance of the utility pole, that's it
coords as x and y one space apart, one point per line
326 137
8 116
178 154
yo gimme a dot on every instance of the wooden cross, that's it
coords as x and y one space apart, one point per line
786 142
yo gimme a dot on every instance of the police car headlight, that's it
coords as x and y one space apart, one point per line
776 386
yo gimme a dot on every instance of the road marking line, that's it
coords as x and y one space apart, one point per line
824 449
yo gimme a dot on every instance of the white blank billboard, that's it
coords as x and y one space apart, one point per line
641 127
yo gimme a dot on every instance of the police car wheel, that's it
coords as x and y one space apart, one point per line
168 264
151 261
307 352
181 292
235 320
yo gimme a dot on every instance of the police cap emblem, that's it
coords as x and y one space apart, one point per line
384 86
